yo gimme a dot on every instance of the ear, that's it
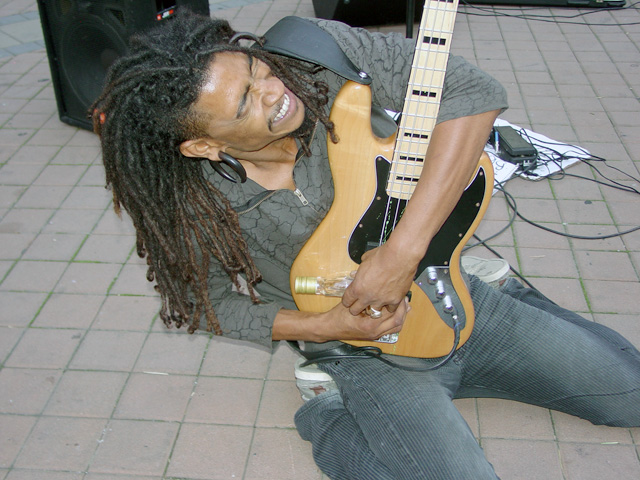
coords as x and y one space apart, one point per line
201 148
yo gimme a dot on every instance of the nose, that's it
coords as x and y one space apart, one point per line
271 90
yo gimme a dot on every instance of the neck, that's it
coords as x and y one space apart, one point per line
271 166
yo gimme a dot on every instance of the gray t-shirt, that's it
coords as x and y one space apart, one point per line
276 224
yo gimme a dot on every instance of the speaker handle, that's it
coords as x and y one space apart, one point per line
411 6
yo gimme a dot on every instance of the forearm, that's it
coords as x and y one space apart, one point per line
452 158
336 324
296 325
386 273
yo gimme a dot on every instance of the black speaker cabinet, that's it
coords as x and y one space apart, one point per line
359 13
84 37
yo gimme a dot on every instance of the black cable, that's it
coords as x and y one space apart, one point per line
553 18
616 185
368 352
511 268
374 352
497 186
512 204
546 155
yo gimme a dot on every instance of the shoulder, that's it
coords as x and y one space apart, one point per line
343 32
359 41
333 27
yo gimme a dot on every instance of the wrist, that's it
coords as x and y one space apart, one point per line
409 249
305 326
321 327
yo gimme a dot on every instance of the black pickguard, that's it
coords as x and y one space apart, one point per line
376 225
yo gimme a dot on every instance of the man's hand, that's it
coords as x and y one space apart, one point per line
337 324
382 280
386 273
342 325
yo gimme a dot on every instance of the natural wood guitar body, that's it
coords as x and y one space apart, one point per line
355 165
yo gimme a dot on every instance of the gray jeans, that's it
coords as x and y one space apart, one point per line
388 423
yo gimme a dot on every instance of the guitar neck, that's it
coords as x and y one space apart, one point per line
422 100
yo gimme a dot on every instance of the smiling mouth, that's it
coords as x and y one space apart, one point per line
283 109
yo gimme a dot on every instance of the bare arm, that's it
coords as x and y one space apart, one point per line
386 273
336 324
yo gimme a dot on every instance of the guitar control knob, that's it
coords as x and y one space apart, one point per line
432 275
448 305
440 291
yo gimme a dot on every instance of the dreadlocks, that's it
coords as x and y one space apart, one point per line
142 117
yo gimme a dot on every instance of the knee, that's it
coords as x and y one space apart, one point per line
617 410
317 414
626 415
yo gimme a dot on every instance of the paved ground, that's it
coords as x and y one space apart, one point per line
93 387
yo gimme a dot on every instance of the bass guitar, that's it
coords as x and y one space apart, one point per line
374 179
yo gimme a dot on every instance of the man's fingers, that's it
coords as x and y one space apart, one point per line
373 312
392 308
357 308
348 299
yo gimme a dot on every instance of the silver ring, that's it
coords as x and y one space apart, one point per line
372 312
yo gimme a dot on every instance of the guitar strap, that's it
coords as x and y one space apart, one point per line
302 39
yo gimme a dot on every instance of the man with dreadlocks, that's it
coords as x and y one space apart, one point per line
189 101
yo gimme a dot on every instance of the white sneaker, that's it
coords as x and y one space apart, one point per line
311 381
492 271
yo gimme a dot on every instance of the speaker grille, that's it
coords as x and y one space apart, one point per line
84 37
87 50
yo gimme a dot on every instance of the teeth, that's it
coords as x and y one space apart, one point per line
284 109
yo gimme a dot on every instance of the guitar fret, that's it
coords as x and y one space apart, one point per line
422 99
421 103
405 175
413 121
417 124
402 193
410 148
412 167
438 60
419 86
430 71
409 166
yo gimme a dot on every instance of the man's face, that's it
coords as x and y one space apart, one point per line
247 106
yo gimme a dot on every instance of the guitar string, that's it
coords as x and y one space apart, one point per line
418 80
407 146
392 181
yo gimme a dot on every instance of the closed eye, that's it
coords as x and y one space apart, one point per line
245 96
